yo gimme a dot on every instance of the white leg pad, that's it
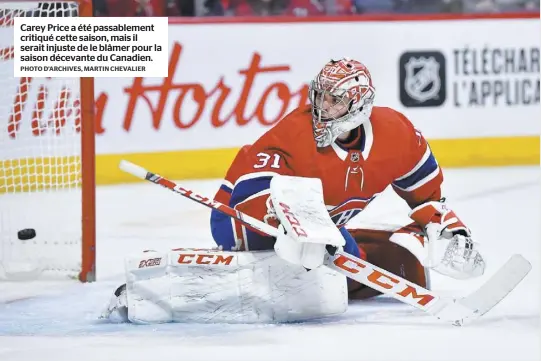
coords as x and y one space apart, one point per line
209 286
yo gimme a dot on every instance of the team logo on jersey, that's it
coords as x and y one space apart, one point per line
343 213
355 157
422 79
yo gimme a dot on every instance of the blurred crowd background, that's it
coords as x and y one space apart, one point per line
196 8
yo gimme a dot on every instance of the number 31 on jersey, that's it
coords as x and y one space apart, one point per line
264 158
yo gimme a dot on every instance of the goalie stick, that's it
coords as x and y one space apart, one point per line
457 311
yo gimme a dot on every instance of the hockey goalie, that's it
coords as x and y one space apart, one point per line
308 176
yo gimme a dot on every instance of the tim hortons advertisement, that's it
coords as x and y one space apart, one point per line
228 83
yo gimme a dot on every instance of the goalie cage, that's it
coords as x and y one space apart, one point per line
46 161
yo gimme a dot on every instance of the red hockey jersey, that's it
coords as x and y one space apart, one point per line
387 150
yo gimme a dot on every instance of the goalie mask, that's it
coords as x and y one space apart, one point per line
341 96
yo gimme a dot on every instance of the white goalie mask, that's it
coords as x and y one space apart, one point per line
342 97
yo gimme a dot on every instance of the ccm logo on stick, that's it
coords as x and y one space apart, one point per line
295 223
377 278
215 259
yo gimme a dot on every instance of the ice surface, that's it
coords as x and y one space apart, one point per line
58 320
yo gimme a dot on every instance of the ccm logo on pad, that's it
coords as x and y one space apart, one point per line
214 259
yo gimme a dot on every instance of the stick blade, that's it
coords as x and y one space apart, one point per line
133 169
496 288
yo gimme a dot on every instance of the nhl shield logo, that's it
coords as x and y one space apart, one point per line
422 78
355 157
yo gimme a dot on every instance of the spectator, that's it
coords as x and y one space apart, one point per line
424 6
213 8
376 6
144 8
137 8
99 8
305 8
257 7
343 7
320 7
171 8
453 6
473 6
186 7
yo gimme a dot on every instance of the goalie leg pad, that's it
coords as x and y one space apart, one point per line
210 286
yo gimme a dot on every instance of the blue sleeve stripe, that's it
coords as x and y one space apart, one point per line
247 188
425 170
226 188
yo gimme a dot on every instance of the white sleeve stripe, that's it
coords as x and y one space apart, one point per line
421 182
418 165
228 184
255 175
253 196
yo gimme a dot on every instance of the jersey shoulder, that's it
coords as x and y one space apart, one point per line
291 134
393 127
390 120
